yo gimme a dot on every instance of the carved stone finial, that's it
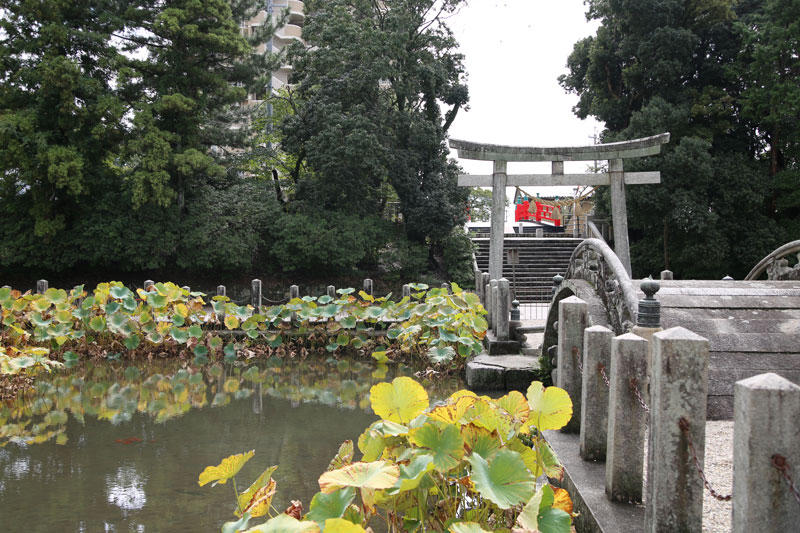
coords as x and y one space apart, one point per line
649 315
515 310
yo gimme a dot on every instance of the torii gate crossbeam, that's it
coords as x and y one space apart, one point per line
616 177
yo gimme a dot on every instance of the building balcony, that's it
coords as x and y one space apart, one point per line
297 13
289 32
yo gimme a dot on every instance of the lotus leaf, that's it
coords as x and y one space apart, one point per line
373 475
441 354
333 505
97 323
371 444
550 408
480 440
411 475
340 525
504 479
343 457
443 440
401 401
224 471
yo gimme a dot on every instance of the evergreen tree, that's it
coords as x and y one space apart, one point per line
378 86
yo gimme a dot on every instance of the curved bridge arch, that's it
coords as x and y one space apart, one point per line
752 326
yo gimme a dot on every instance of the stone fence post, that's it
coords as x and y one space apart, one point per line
594 392
572 321
294 292
331 291
41 286
490 307
221 291
503 309
406 291
667 275
148 283
679 389
627 419
368 286
766 423
484 282
255 294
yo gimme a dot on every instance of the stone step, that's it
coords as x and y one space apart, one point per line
501 372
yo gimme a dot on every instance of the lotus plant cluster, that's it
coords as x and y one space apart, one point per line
435 326
469 464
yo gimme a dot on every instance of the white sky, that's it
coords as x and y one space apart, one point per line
514 52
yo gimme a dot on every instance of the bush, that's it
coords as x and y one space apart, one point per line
457 250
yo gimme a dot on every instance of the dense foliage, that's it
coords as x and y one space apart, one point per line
466 464
722 77
434 326
378 86
126 146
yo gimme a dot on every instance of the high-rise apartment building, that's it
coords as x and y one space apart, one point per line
292 30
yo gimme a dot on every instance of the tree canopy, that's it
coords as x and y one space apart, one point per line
707 71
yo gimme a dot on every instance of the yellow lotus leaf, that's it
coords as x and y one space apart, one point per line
480 440
452 412
562 500
261 500
551 407
182 310
400 401
529 456
224 471
461 394
247 496
515 404
283 523
231 322
466 527
374 475
340 525
484 413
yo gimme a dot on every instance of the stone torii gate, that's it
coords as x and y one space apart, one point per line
616 177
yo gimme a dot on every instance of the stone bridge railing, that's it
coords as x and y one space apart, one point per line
777 266
596 263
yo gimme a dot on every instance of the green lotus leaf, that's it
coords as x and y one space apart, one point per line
329 311
56 296
332 347
156 300
441 354
38 320
277 341
443 440
411 475
120 292
503 480
348 322
418 286
195 331
344 292
447 336
466 527
201 349
180 335
97 323
343 339
178 320
393 333
132 342
284 523
200 360
332 505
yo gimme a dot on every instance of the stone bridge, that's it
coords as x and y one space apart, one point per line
753 326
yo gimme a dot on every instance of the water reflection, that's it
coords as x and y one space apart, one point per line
119 449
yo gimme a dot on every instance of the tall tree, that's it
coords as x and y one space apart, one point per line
378 86
673 65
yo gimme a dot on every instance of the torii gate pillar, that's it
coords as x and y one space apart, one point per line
616 178
499 180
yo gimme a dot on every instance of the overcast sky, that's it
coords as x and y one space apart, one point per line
514 52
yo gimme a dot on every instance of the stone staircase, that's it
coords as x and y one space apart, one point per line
539 261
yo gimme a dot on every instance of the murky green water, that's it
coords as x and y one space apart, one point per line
122 448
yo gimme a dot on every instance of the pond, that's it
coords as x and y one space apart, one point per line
116 448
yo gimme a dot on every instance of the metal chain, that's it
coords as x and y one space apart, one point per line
684 425
780 464
634 384
577 355
602 370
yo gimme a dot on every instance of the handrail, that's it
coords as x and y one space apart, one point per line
761 266
594 232
618 272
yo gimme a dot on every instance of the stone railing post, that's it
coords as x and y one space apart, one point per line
679 389
368 286
221 290
331 291
594 392
41 286
539 233
148 283
186 288
406 291
490 307
294 292
627 419
478 282
572 320
667 275
484 296
446 286
766 425
503 309
255 294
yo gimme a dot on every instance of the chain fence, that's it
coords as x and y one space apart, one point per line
683 424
